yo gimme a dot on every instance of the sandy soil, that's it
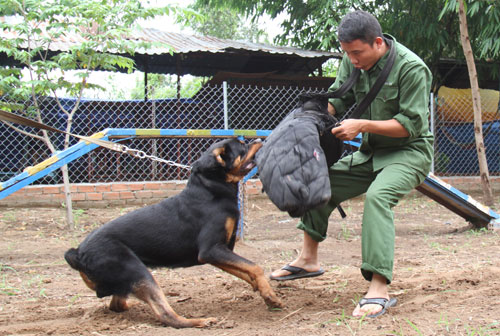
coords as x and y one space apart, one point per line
447 278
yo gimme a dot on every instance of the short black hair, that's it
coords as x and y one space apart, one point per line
359 25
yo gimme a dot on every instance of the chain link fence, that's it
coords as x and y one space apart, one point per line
248 107
455 147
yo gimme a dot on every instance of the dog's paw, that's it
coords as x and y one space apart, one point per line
207 322
274 302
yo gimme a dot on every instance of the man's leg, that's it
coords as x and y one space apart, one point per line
346 182
390 185
307 259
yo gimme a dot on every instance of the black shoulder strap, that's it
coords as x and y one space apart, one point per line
352 79
382 77
346 86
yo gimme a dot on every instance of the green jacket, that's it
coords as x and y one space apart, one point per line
404 97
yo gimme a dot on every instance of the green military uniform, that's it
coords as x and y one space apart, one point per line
384 168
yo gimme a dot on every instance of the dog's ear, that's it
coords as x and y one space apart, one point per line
217 152
213 158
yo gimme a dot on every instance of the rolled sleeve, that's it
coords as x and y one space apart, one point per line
407 124
414 99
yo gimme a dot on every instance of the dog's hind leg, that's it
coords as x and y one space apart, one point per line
149 292
118 303
90 284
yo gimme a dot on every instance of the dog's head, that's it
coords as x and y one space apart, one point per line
232 157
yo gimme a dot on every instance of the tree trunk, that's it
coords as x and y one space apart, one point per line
476 103
64 169
67 190
67 197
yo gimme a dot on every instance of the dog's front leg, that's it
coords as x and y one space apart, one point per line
244 269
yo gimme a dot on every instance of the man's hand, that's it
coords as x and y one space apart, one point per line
349 128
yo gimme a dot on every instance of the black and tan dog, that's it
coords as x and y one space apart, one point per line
197 226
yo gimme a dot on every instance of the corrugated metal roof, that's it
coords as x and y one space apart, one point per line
178 53
180 43
183 43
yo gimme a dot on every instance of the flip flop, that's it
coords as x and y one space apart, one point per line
380 301
296 273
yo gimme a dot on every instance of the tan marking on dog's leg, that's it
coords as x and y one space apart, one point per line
150 292
244 276
118 303
254 275
90 284
230 227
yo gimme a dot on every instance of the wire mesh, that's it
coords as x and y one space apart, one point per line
455 151
249 107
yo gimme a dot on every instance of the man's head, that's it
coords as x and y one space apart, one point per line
359 25
360 36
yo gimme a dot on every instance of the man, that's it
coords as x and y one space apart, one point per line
394 157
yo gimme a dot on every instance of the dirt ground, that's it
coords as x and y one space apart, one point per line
446 279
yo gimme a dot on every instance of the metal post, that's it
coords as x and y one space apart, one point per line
226 113
432 126
146 90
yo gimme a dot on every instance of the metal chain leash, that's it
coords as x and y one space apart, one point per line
17 119
242 205
143 155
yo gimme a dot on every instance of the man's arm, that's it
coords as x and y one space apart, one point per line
349 128
331 109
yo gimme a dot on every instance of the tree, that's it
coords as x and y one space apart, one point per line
420 25
307 24
476 98
224 23
34 25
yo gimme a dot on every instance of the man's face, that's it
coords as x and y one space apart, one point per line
363 55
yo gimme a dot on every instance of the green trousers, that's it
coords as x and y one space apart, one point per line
384 189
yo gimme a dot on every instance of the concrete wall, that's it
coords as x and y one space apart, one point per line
140 193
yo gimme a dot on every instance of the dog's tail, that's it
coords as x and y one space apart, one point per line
73 259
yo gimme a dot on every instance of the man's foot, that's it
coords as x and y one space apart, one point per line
306 262
295 273
378 290
383 304
298 266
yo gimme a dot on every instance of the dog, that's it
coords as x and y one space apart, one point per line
197 226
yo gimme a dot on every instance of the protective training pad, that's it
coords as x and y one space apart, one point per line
292 165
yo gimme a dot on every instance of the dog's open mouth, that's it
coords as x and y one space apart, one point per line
249 159
247 163
247 167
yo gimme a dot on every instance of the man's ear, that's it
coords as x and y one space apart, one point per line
379 42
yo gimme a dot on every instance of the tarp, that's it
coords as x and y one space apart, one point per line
456 104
